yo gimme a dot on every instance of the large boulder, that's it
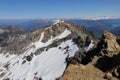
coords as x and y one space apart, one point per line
109 61
111 46
85 72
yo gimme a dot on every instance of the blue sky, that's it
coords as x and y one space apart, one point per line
31 9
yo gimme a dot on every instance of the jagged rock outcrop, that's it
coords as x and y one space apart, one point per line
109 61
110 44
107 46
100 63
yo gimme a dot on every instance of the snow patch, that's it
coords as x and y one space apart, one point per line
65 34
48 65
57 21
40 44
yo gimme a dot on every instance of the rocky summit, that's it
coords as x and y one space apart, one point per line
100 63
111 45
42 53
61 51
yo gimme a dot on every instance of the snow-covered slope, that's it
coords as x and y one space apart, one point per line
48 65
43 58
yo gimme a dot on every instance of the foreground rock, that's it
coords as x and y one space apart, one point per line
109 55
100 63
110 44
84 72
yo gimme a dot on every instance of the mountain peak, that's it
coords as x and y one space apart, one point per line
111 45
108 35
57 21
47 48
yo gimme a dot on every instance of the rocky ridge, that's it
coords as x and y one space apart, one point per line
24 51
16 43
100 63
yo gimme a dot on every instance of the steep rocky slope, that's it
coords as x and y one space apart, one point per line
8 32
41 54
100 63
110 59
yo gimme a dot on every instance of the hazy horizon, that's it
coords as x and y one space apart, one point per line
43 9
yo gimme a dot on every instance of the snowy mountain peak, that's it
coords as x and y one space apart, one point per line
42 54
57 21
96 18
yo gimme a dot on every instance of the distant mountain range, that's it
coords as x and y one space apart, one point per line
95 25
27 24
98 26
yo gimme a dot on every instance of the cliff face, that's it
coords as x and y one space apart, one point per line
111 45
109 60
100 63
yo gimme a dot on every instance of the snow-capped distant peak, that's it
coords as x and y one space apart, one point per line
57 21
96 18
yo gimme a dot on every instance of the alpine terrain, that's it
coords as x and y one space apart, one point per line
61 51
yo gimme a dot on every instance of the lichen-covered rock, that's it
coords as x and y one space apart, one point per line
82 72
111 46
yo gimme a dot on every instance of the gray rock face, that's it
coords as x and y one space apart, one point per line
105 57
109 44
16 43
77 59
